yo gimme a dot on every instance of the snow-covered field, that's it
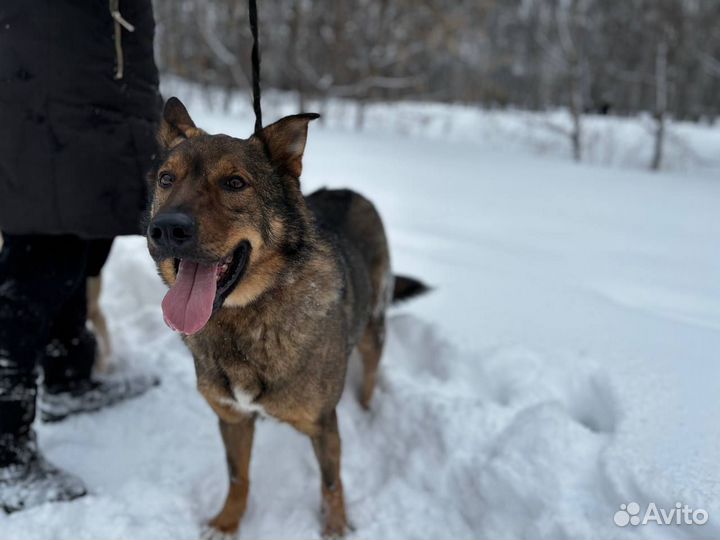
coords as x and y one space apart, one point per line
567 362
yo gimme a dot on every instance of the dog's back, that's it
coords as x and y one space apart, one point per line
354 226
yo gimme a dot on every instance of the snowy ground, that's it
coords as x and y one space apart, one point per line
566 363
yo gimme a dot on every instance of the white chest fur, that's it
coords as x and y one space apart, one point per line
243 403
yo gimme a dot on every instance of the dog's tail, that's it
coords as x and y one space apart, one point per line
407 287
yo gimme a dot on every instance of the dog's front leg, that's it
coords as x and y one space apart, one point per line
238 438
326 443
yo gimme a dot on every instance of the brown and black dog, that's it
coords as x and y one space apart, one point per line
272 290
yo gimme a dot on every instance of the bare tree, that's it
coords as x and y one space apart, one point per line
567 23
661 101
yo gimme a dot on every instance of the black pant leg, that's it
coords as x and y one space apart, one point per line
37 275
72 349
98 253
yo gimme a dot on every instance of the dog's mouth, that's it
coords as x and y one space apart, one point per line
200 289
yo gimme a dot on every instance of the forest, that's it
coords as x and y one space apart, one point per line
619 57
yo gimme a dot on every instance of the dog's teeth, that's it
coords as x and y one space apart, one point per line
222 270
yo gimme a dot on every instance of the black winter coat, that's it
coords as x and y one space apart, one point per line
75 142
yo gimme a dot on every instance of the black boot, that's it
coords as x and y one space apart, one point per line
91 395
68 387
37 275
68 359
26 478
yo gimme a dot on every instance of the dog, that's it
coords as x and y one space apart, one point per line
271 290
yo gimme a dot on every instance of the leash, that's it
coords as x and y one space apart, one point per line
255 58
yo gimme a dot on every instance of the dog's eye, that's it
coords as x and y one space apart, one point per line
235 183
166 180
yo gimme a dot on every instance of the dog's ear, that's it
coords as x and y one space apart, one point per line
176 124
285 141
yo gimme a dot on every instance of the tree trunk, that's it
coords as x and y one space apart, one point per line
576 113
567 31
660 105
294 45
360 114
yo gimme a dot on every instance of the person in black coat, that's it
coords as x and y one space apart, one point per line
79 104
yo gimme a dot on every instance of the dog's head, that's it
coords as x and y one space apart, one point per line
224 212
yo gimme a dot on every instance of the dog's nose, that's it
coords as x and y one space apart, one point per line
172 230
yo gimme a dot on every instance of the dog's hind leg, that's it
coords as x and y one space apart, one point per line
326 443
99 324
370 348
238 439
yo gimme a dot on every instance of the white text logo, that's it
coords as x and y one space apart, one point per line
680 514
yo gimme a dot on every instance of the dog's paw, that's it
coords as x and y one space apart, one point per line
209 532
336 528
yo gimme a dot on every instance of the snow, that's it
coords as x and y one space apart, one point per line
566 362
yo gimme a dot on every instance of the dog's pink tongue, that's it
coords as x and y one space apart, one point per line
188 305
